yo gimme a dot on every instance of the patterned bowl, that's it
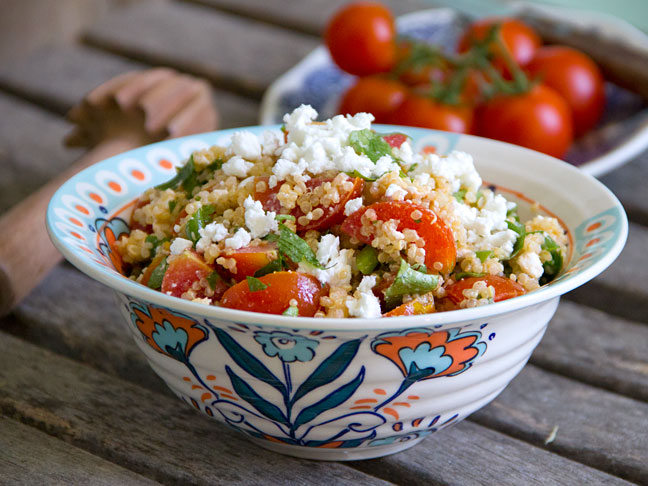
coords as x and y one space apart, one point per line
337 389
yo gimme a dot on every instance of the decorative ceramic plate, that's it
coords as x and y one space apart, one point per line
621 134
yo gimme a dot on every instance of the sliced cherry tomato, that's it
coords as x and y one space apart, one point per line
333 214
183 271
395 140
375 95
249 259
421 305
282 287
539 119
360 38
520 41
505 288
577 78
417 111
439 240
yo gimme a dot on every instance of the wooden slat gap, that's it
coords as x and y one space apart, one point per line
613 301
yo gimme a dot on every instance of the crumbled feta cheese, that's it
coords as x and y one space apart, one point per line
352 206
457 168
240 239
245 145
530 264
237 166
179 245
212 233
364 303
396 192
337 263
271 142
257 220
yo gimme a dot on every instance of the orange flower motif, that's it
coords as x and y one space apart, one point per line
168 332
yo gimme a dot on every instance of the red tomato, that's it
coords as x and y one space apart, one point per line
577 78
250 259
539 119
439 240
505 288
373 94
333 214
183 271
360 38
281 288
395 140
436 70
520 40
423 112
421 305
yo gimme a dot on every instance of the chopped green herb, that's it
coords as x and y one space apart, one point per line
291 311
412 167
460 195
184 173
155 280
198 221
520 229
409 281
254 284
355 173
274 266
460 275
512 213
369 143
295 248
156 242
271 237
483 255
215 165
420 267
551 267
172 204
213 279
284 217
367 259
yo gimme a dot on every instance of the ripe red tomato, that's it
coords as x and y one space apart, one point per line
373 94
249 259
576 77
183 271
281 288
361 38
417 111
539 119
520 40
439 240
505 288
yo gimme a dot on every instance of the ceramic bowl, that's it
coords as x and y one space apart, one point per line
336 389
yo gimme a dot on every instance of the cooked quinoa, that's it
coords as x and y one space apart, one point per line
331 219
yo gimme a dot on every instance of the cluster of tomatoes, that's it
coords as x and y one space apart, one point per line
502 83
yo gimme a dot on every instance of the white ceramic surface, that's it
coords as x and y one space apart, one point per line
621 135
336 389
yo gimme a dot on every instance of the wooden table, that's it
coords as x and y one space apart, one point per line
79 405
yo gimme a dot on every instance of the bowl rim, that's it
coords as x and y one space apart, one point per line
440 320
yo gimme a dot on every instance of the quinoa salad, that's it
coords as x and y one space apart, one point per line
334 219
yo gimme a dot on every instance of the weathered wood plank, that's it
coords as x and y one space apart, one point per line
595 427
623 288
234 52
596 348
629 185
72 71
469 454
29 457
309 17
146 432
30 149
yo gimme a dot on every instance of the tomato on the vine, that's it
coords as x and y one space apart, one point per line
520 40
361 38
539 119
576 77
373 94
423 112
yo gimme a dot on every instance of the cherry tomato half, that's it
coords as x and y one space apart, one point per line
375 95
423 304
577 78
417 111
282 287
360 38
520 41
539 119
249 259
439 240
183 271
505 288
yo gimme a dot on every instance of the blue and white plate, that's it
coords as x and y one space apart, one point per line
621 135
